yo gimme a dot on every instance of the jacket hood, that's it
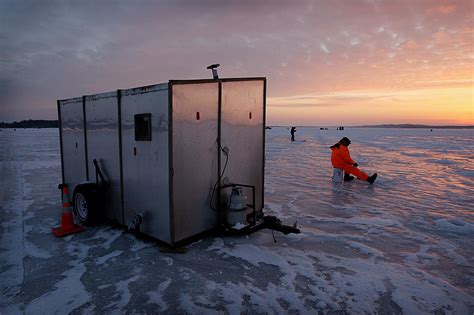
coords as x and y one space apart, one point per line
345 141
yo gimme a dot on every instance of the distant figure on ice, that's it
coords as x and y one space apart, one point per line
341 158
293 130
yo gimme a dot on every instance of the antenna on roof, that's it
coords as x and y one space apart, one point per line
214 70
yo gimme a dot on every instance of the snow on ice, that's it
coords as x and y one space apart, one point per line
402 245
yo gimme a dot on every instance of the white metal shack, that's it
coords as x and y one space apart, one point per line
160 150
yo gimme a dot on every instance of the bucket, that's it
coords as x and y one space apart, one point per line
337 175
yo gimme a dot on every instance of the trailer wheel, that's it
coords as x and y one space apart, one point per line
86 203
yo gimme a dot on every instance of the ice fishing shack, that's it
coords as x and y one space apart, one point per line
167 157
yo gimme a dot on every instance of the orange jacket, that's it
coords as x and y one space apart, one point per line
340 156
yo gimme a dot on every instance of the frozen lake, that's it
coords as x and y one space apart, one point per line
402 245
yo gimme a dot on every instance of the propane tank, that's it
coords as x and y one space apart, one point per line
237 199
237 211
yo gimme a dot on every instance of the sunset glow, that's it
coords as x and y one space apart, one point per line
439 106
327 62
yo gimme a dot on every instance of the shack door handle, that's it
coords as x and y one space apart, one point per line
135 151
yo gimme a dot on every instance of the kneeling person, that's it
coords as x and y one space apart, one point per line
341 158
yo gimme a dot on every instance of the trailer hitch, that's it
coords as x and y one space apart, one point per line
273 223
267 222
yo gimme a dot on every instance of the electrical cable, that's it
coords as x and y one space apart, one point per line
226 153
274 239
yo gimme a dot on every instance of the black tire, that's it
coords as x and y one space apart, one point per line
86 201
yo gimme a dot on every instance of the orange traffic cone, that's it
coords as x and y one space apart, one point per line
67 221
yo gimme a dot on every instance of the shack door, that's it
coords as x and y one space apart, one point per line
243 132
145 154
194 150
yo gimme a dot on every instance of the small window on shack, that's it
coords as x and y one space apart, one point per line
143 127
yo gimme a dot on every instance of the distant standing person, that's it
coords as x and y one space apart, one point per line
341 158
293 130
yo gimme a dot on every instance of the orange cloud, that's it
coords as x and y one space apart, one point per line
441 37
411 44
442 9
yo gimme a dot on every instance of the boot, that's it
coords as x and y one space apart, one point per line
348 177
372 178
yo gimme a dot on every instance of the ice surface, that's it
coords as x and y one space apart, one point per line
402 245
455 226
156 296
102 260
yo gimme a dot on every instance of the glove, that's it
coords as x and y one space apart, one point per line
355 164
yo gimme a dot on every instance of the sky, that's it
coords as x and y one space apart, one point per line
338 62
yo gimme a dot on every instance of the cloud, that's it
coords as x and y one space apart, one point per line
441 37
58 49
446 83
331 99
442 9
324 48
410 44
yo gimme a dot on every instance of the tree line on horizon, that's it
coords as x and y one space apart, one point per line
31 124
